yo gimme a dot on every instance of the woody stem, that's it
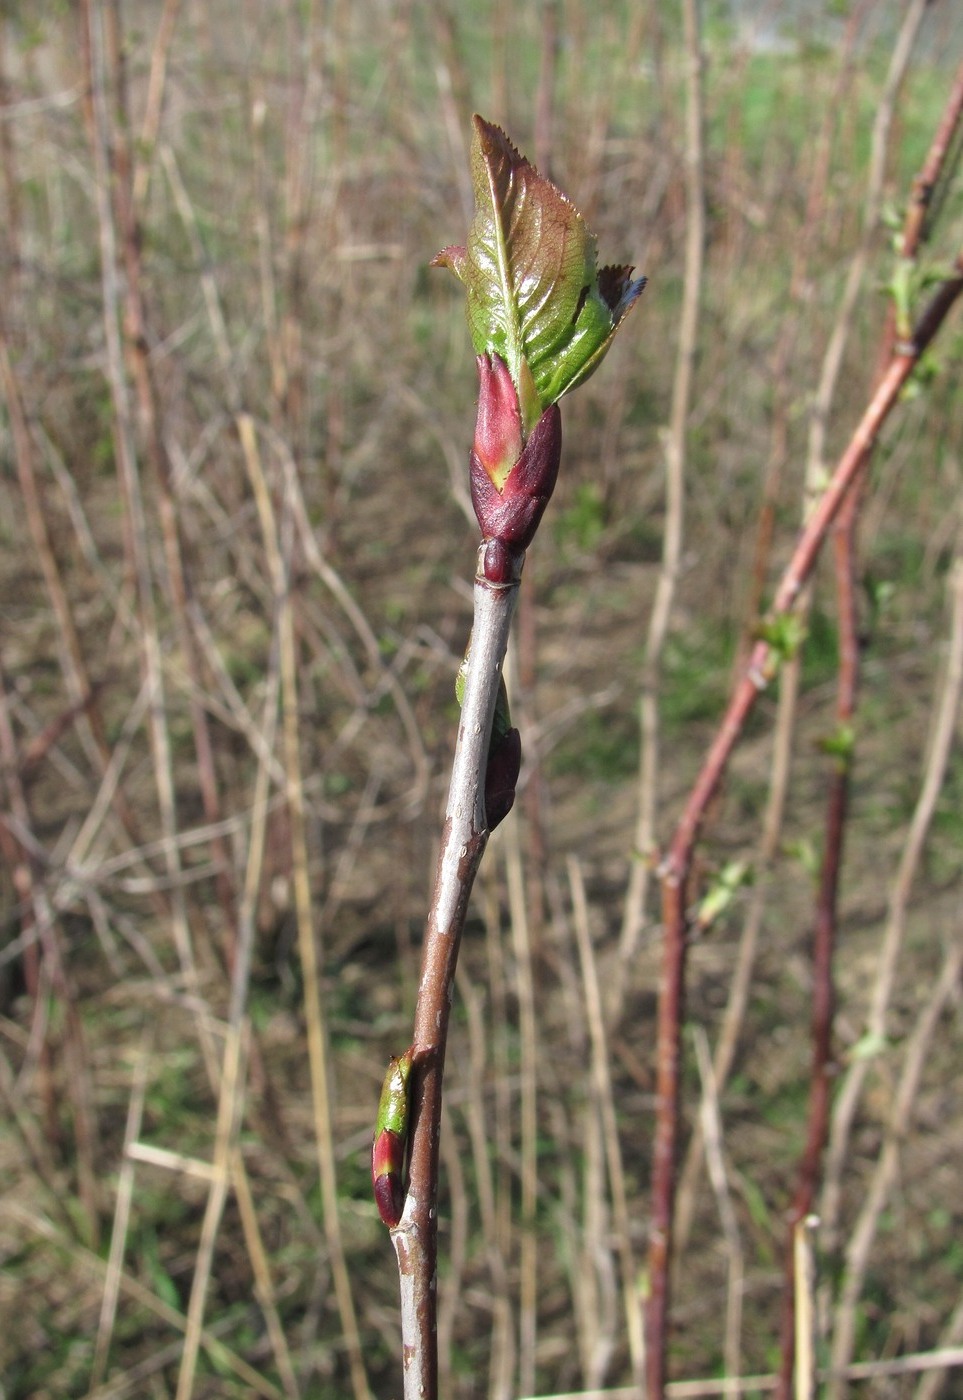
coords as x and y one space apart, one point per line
464 838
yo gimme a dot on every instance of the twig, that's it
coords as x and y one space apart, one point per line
845 540
137 339
677 863
738 998
263 1282
882 124
464 837
300 160
790 674
849 1095
283 603
824 941
782 378
153 104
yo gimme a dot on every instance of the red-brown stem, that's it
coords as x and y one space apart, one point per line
824 940
678 860
844 536
933 169
463 843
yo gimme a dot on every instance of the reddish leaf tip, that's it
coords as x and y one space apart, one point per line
494 141
452 257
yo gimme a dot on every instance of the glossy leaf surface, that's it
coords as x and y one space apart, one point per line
536 297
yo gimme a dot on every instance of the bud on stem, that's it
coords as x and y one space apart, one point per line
512 479
390 1146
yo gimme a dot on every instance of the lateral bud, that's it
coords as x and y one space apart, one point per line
501 775
389 1150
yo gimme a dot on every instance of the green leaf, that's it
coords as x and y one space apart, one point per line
717 899
785 634
869 1046
841 743
535 294
393 1104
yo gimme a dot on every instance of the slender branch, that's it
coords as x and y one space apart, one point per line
824 941
677 864
464 838
937 167
845 549
757 673
789 680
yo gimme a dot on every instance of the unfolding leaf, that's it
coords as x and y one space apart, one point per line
535 295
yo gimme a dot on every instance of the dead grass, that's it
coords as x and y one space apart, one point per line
284 272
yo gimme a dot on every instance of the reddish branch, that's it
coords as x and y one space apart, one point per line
678 861
824 940
938 164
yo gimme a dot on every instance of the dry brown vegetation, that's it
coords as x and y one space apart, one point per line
233 598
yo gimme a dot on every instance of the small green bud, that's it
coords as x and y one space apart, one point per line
390 1146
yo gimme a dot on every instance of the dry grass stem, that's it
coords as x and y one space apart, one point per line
859 1246
710 1120
605 1099
805 1309
740 984
503 1351
235 515
646 834
528 1091
944 1358
135 1291
307 949
122 1206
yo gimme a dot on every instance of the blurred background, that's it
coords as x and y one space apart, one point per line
235 584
